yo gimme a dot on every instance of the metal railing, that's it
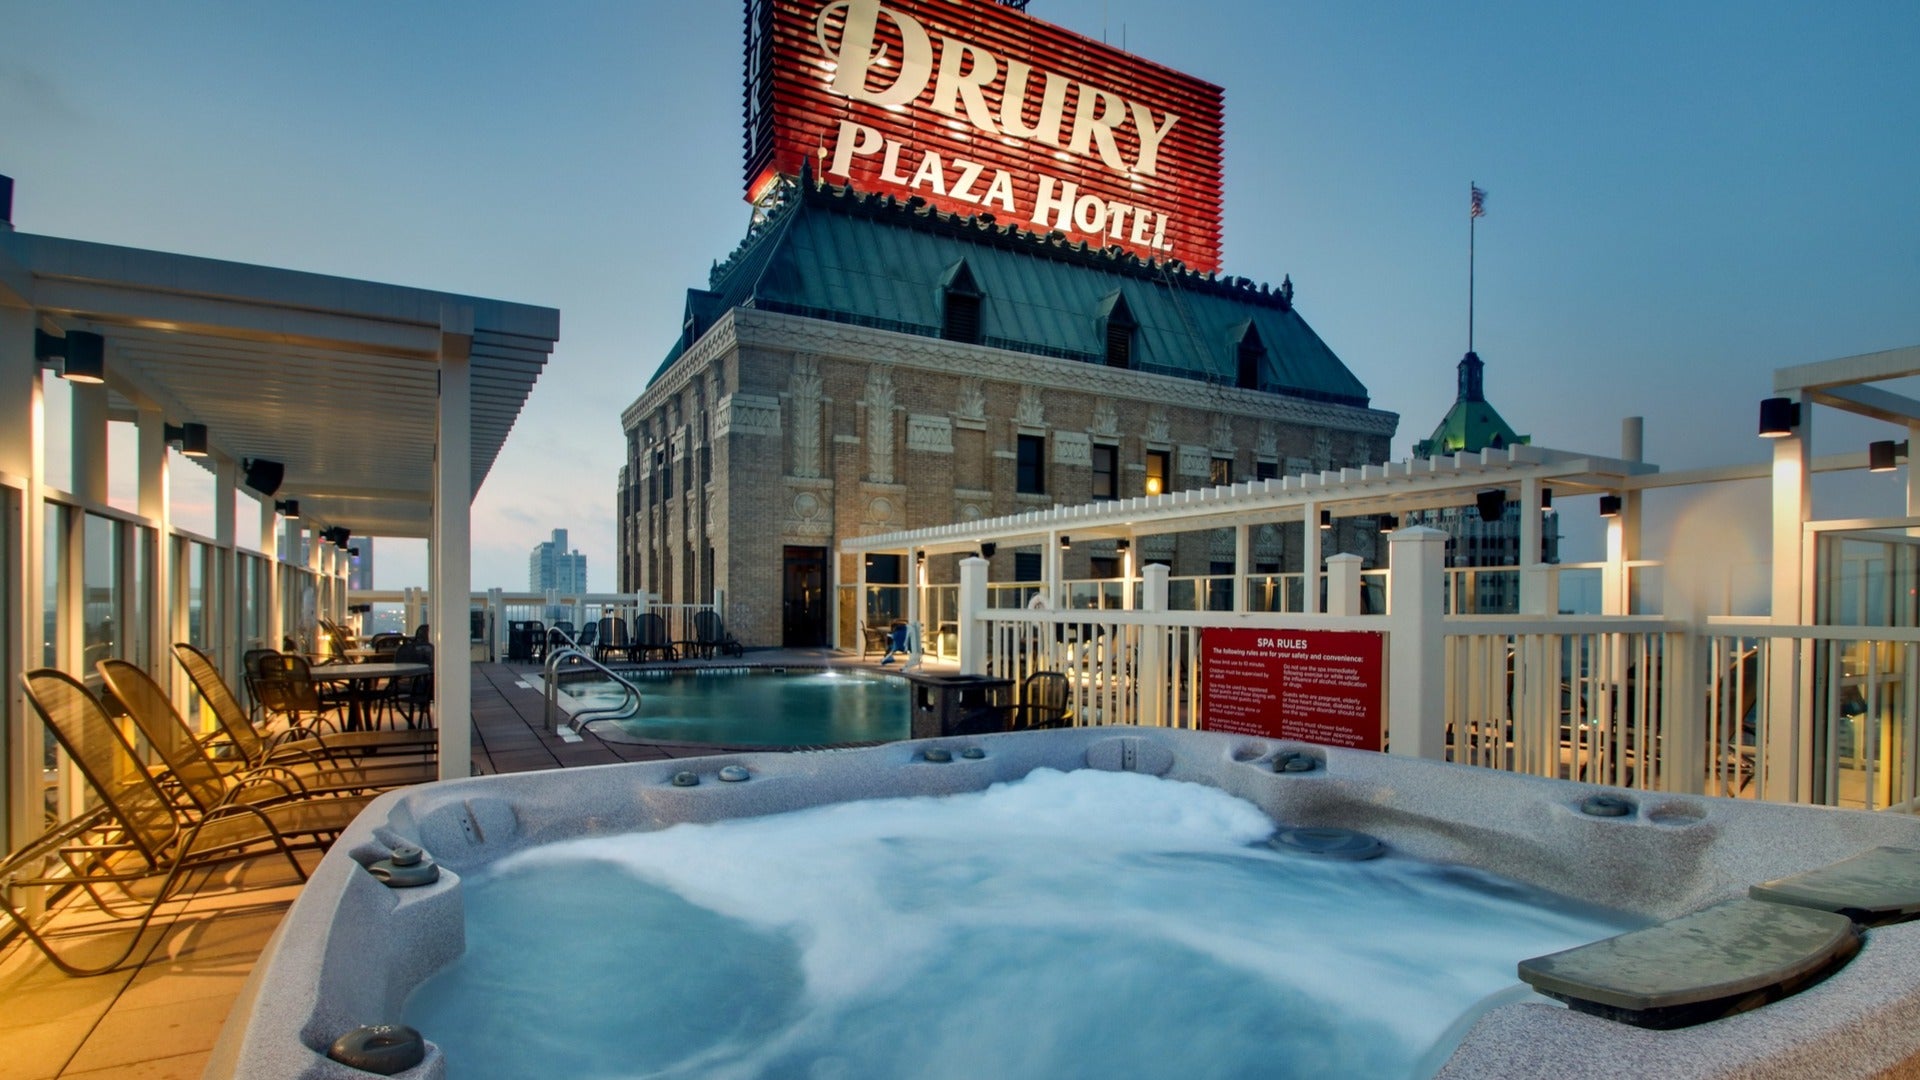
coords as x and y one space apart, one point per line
572 654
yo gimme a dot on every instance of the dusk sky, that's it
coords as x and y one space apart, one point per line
1681 197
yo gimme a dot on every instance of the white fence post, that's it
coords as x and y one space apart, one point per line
1416 646
973 604
1151 684
497 623
1343 584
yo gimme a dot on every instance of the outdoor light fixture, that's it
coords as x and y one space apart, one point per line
1491 504
1546 500
191 437
1609 506
263 476
354 552
1388 523
1123 544
919 558
1778 417
82 356
289 507
987 550
1882 455
1066 543
1326 519
336 535
1153 485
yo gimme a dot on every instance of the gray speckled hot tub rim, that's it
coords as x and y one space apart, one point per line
350 950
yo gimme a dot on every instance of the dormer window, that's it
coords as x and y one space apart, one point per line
1117 327
1250 358
960 306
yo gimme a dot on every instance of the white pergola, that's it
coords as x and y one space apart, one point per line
386 405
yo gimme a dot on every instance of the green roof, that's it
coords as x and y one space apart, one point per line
831 254
1473 424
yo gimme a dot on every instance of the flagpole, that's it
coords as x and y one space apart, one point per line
1472 219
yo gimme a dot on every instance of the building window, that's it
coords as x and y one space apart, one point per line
1026 566
960 306
665 473
1220 471
1031 477
1118 329
1266 470
1103 566
1252 356
1106 472
1158 468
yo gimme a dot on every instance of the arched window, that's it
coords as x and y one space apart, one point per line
1117 327
960 305
1250 359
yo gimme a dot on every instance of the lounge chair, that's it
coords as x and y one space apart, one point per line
874 639
296 810
136 834
650 638
614 640
339 747
710 636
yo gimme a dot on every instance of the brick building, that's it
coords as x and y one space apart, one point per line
861 365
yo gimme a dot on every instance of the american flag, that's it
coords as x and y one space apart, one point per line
1479 200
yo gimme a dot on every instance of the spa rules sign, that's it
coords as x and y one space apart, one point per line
1320 686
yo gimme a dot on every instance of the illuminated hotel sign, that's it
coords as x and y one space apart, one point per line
979 109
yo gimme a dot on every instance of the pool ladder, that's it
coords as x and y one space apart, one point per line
558 722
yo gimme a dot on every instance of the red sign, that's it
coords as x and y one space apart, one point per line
981 109
1320 686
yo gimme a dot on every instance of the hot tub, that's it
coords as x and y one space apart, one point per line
351 950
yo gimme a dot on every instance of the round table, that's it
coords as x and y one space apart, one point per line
360 678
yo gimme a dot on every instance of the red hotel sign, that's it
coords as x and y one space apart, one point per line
1320 686
981 109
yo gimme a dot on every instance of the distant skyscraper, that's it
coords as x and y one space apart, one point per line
552 568
360 577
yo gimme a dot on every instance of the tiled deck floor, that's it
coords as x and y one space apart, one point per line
158 1020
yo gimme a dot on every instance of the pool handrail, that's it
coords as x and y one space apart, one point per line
629 701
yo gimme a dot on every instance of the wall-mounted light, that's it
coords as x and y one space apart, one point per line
82 356
289 507
1884 454
1778 417
919 558
354 552
1609 506
1066 543
1123 544
263 476
1546 500
1326 519
1153 485
1388 523
987 550
336 535
191 437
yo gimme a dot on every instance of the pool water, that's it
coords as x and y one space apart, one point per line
1084 924
756 708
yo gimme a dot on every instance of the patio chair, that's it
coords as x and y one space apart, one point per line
613 638
296 810
136 834
413 696
384 645
560 635
874 639
340 748
710 636
589 637
650 638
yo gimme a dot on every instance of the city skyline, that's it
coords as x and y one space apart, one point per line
1679 199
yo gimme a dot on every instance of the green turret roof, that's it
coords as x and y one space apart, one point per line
1473 424
829 253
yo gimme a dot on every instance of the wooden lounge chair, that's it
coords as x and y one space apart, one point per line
650 638
710 636
257 749
207 781
136 834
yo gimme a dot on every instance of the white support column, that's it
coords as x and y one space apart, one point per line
155 480
1416 645
497 619
1129 564
1051 571
1242 553
452 539
1613 577
269 614
1310 558
223 597
1632 448
1343 584
1530 580
1152 686
22 453
973 603
1787 772
89 443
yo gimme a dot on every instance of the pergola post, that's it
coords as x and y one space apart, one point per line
1787 773
22 452
452 539
223 622
1242 552
1310 557
973 604
1151 690
1343 584
1416 643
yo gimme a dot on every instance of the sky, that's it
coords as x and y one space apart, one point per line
1681 196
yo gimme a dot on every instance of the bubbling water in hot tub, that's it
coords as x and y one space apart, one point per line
1068 924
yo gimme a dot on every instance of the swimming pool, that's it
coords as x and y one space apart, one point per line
753 707
353 952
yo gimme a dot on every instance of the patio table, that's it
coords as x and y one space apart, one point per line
360 680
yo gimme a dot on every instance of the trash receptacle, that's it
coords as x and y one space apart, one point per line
958 704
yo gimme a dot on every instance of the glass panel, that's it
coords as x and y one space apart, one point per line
139 611
102 620
197 594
